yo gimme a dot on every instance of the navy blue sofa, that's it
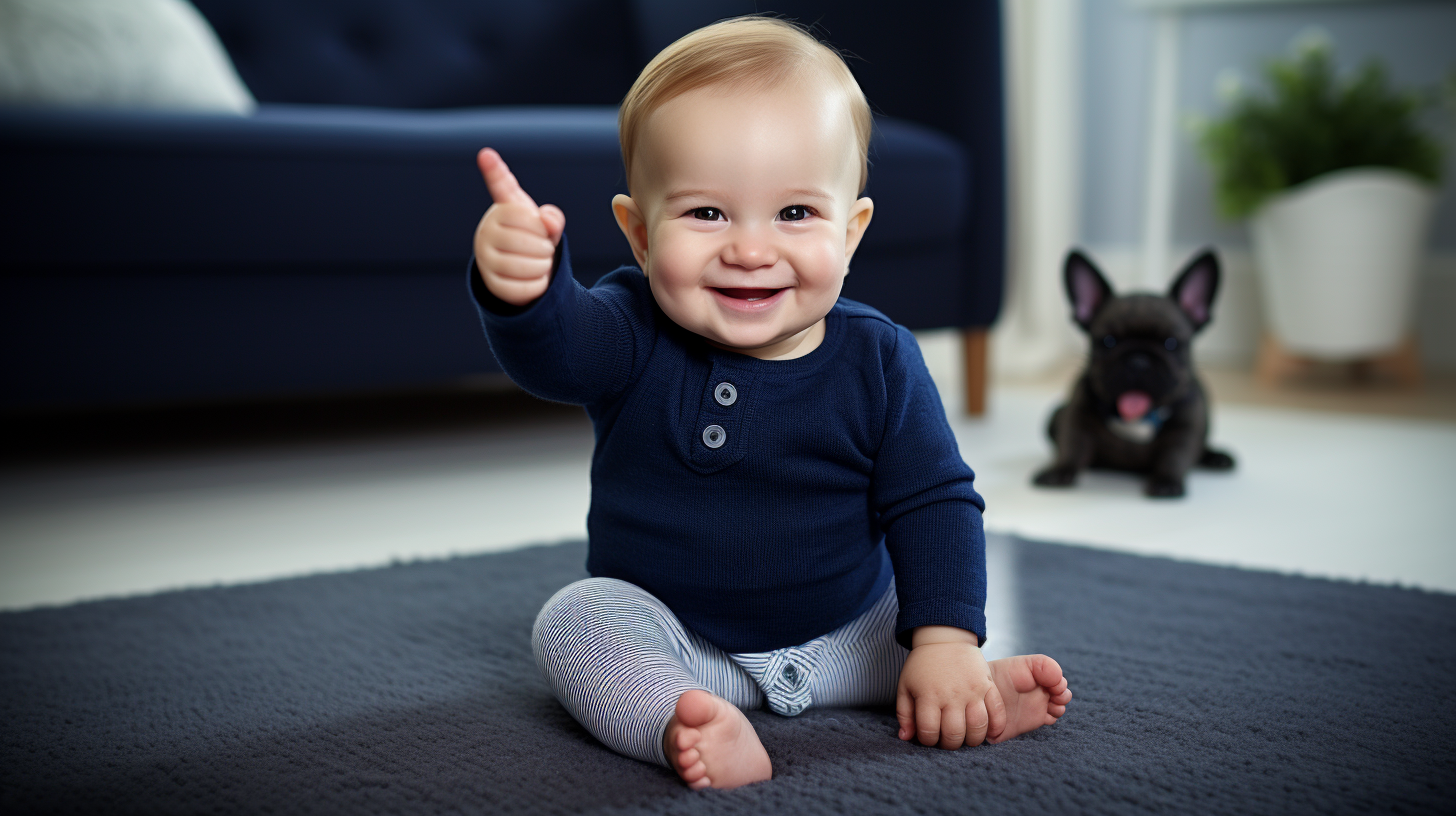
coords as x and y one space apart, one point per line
319 246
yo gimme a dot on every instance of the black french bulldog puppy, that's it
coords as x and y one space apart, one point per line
1138 406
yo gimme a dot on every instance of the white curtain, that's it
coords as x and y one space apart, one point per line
1043 62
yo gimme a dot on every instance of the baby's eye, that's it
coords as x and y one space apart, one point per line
708 214
795 212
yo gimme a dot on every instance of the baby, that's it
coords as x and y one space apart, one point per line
780 516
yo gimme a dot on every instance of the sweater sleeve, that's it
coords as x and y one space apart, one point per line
930 512
572 344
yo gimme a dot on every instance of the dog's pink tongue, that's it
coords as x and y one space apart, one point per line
1134 405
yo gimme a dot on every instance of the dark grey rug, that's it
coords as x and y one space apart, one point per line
411 690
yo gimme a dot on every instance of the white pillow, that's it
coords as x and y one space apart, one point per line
115 53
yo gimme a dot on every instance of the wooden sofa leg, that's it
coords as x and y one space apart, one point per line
974 348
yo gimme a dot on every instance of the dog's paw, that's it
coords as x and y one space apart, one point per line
1215 460
1164 487
1056 476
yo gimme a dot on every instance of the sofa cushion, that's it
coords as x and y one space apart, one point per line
115 53
330 184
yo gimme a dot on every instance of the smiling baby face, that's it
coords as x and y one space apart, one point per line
745 214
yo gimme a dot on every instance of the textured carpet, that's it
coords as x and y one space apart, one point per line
411 690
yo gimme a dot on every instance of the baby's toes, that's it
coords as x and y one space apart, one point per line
1056 711
695 773
688 738
1062 697
688 758
1048 672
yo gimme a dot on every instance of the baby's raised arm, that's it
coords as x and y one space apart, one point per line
515 242
555 338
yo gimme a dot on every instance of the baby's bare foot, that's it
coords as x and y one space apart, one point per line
712 745
1034 690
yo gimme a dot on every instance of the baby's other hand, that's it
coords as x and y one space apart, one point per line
947 696
515 243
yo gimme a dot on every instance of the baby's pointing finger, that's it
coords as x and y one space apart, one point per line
503 186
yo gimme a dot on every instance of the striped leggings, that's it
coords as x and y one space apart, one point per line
618 659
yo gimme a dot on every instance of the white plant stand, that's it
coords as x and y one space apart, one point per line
1275 364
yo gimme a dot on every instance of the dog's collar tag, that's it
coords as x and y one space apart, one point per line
1141 430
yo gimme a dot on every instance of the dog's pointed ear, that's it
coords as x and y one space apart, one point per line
1086 288
1195 288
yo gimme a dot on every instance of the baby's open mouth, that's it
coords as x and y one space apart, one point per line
749 294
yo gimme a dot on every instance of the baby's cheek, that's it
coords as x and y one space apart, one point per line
827 262
681 252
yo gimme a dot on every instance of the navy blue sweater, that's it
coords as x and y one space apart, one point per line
771 512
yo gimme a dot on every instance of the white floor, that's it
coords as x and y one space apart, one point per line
1337 496
1344 496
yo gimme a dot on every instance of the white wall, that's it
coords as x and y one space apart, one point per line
1413 39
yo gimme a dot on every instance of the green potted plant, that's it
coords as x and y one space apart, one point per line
1337 178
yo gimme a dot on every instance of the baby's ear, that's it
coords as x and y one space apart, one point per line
634 226
860 214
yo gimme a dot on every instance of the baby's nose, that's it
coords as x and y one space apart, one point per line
750 248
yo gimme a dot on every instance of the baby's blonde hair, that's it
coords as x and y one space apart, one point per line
742 53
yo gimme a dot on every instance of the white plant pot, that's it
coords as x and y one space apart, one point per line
1338 257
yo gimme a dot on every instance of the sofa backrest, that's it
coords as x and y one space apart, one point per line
429 53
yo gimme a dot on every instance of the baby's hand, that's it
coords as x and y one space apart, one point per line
515 242
947 695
